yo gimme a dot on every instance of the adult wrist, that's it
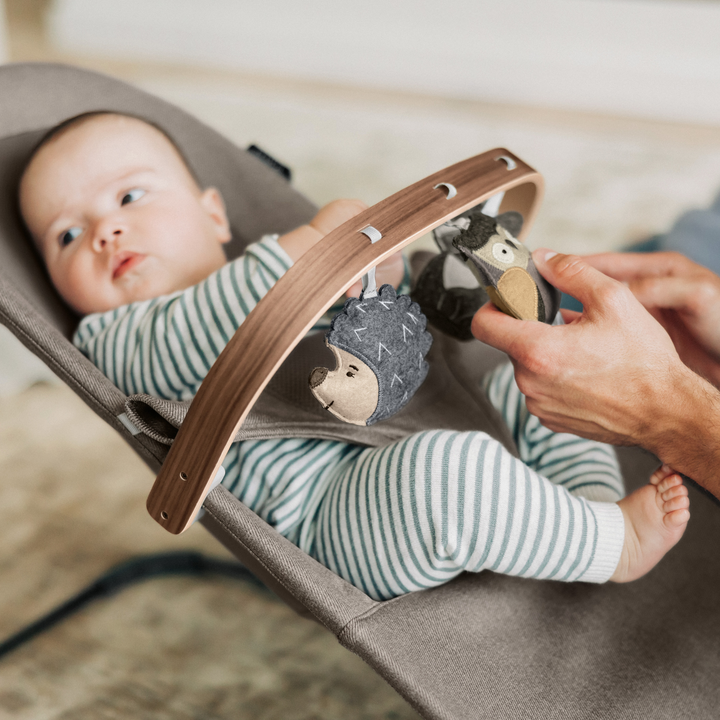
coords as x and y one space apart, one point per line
686 435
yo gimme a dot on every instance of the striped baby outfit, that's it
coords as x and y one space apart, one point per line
393 519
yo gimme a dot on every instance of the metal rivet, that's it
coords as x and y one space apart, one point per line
164 515
183 476
451 191
511 164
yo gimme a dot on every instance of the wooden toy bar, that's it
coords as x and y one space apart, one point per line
279 321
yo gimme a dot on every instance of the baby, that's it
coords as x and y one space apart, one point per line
135 245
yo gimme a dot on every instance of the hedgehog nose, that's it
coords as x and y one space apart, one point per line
317 376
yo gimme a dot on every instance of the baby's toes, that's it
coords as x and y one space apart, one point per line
677 518
673 492
671 481
679 502
660 474
675 504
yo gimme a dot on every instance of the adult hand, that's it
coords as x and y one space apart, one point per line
682 296
604 375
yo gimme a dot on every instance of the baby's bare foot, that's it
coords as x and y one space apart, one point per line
655 519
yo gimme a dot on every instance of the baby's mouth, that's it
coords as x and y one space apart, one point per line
125 261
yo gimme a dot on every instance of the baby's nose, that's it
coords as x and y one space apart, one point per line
106 235
317 376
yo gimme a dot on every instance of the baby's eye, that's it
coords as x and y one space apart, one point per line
132 196
503 253
69 235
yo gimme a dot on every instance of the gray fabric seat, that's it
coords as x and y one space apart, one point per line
483 646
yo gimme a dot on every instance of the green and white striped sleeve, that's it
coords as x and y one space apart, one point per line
583 467
166 346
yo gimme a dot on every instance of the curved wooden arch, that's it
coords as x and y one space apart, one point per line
272 330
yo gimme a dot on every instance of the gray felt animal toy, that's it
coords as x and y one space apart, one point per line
447 290
505 268
380 344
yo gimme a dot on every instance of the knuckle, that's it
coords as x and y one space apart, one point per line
615 296
706 293
355 206
535 361
674 257
569 265
348 208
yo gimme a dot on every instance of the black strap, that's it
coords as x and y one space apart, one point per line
270 161
128 573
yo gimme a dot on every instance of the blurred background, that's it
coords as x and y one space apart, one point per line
616 103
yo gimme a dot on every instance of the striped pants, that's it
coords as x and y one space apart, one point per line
417 513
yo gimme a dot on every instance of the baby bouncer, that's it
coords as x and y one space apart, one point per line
481 646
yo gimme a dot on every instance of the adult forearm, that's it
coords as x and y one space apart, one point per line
686 435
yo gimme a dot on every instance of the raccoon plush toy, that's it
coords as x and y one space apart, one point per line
480 260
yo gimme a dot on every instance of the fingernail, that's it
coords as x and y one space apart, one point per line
665 468
550 254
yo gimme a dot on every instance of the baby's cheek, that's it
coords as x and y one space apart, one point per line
72 283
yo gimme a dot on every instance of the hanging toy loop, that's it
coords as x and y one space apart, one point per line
369 285
368 281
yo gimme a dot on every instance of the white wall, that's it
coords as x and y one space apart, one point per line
648 58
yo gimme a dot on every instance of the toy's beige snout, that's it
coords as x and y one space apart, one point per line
350 391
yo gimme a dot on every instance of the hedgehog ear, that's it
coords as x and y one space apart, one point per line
512 221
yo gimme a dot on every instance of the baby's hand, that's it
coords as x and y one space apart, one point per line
297 242
334 214
391 270
331 216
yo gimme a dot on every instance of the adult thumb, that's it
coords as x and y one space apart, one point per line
572 275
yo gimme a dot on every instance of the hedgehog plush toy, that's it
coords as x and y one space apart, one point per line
380 344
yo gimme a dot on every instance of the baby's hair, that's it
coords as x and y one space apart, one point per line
388 334
61 128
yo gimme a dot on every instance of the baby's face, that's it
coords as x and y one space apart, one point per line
117 216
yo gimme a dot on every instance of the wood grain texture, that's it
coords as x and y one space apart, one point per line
295 303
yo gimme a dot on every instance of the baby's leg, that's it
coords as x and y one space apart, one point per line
583 467
417 513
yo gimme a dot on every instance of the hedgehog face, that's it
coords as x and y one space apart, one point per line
503 252
350 391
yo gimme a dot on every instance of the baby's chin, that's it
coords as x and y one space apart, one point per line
118 294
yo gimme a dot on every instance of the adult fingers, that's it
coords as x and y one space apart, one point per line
515 337
632 266
572 275
570 316
676 293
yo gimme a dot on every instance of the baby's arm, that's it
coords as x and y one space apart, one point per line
297 242
166 346
583 467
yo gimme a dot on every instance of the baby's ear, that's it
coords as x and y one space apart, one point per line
214 205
